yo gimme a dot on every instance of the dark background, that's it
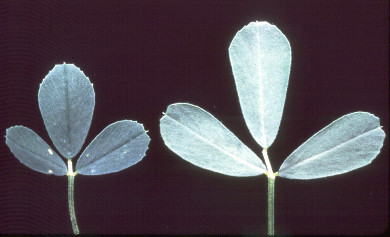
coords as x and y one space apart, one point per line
143 56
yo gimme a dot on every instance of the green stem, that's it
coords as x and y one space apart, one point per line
271 210
271 193
72 212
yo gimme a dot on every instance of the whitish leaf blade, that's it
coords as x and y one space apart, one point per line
260 56
119 146
67 100
33 152
199 138
348 143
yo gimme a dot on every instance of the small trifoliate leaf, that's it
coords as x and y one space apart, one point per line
260 56
33 152
119 146
67 100
199 138
348 143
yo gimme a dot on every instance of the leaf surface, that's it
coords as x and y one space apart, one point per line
199 138
348 143
260 57
119 146
33 152
67 100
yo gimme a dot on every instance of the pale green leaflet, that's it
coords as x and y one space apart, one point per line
261 59
348 143
66 101
34 152
260 56
206 142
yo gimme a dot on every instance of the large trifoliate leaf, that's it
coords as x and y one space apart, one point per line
33 152
198 137
348 143
260 56
119 146
67 100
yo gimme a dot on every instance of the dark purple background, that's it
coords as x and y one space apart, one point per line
143 56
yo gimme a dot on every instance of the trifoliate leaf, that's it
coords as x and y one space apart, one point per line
348 143
260 56
198 137
33 152
119 146
66 100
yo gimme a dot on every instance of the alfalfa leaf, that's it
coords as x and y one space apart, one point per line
348 143
67 100
260 56
199 138
119 146
29 148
